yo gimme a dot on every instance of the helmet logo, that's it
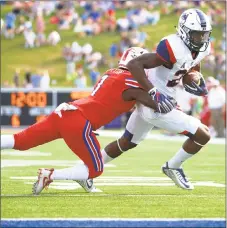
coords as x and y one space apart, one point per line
133 55
184 17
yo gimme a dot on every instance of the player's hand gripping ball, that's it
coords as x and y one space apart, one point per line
192 76
194 83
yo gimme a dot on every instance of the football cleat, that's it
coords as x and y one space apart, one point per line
87 185
43 180
178 177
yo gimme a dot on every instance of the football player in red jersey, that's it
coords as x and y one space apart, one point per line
115 93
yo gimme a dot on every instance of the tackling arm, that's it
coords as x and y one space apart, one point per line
140 96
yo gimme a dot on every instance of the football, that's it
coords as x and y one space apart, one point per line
191 76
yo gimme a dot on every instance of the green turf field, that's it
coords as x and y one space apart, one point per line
132 186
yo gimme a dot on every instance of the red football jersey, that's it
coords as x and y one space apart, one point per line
105 102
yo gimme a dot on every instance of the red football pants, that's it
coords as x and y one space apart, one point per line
74 128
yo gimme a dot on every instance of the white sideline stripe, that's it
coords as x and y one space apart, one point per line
114 219
118 133
120 181
109 195
26 153
71 186
22 163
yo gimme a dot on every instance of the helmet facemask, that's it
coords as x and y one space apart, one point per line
196 40
199 40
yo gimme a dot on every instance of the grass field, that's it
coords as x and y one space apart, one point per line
132 186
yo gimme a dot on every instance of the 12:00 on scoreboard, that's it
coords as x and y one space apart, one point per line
22 107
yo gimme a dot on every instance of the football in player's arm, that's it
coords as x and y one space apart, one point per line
162 57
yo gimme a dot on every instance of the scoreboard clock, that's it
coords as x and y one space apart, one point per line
23 107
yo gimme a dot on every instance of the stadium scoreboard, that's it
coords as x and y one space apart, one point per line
23 107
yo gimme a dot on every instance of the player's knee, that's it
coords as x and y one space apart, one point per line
20 143
95 173
202 135
126 144
21 147
95 169
205 133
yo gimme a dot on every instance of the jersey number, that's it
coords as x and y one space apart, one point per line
104 77
179 74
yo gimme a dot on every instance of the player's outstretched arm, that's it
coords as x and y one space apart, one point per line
140 96
146 61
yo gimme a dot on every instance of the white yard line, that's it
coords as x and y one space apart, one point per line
26 153
156 136
117 181
112 195
23 163
118 133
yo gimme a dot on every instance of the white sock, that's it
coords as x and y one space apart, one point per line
7 141
78 172
106 158
177 160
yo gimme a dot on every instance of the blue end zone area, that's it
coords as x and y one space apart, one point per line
113 223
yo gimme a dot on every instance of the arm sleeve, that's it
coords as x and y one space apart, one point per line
131 83
165 52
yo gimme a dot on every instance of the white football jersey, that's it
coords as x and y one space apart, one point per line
173 50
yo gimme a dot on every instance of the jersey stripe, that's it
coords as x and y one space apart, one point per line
161 57
162 51
165 52
89 146
132 85
95 148
130 80
170 51
202 19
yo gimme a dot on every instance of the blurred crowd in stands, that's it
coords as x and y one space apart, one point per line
88 18
74 55
91 18
39 79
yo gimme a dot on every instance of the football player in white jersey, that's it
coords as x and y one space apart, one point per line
176 54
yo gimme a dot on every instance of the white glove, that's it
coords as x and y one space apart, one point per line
64 107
